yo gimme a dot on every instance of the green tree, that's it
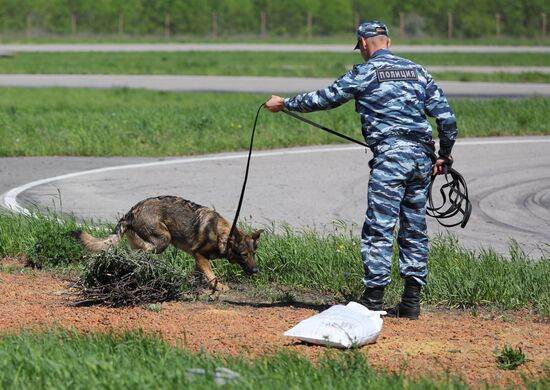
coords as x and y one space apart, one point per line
333 17
191 17
289 17
133 13
376 10
57 14
237 16
13 14
474 19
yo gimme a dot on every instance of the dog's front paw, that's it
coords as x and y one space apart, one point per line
216 285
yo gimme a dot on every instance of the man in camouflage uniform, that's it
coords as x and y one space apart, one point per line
392 96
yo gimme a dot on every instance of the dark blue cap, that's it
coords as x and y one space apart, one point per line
371 29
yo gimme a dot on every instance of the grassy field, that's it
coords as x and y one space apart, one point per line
19 38
329 265
64 360
122 122
254 64
134 361
500 77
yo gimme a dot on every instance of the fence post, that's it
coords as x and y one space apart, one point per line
450 25
29 25
73 24
357 21
544 24
167 31
497 22
401 25
121 24
214 24
309 25
263 23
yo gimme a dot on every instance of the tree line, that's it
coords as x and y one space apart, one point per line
410 19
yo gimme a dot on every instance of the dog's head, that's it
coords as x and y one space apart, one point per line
242 250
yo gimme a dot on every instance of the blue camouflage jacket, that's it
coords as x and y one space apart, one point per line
393 96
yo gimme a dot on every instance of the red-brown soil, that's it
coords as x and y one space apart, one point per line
461 343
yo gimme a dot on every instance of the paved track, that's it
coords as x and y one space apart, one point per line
250 84
508 178
185 47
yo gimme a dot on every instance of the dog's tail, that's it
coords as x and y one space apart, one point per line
94 244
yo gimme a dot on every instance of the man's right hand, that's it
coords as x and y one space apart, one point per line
440 165
275 104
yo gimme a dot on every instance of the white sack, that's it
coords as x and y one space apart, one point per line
340 326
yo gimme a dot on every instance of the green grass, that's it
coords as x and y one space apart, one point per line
509 358
344 39
526 77
239 63
122 122
331 266
67 360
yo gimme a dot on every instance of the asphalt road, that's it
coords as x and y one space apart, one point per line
508 178
250 84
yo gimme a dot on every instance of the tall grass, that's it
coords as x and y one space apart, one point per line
331 266
288 64
465 278
81 122
43 240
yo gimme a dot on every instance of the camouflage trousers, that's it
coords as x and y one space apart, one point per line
398 190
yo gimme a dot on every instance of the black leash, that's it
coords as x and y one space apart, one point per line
454 192
234 226
324 128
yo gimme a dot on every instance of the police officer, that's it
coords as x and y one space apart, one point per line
392 97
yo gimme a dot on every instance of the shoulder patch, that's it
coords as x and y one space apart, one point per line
396 74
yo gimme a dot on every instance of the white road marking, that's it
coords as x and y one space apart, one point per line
9 198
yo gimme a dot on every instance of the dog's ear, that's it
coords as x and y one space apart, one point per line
256 234
237 236
234 239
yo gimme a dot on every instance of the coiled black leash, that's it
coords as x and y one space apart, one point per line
454 192
454 195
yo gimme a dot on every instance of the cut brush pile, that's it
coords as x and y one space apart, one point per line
120 277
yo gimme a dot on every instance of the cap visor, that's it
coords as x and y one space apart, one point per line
356 46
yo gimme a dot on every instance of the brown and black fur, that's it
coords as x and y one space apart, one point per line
155 223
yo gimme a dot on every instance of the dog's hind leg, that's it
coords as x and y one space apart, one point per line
156 242
136 242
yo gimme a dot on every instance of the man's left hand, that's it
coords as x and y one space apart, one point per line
441 164
275 104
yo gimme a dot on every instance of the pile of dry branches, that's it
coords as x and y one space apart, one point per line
120 277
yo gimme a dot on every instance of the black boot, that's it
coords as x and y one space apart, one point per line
373 298
410 301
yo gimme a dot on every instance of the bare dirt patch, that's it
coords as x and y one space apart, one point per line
461 343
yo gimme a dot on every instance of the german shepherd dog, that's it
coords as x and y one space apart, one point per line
155 223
